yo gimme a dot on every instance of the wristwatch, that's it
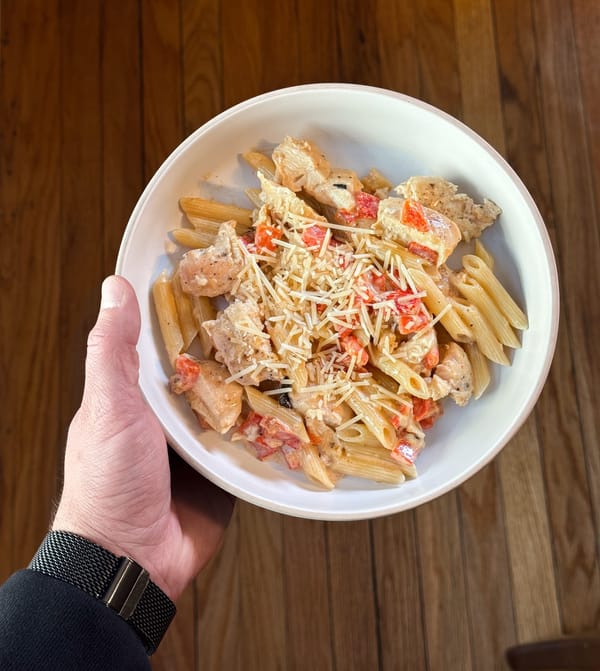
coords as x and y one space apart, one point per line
119 582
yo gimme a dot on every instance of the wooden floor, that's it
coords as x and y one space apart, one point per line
95 94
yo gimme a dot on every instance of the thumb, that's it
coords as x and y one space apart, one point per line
112 364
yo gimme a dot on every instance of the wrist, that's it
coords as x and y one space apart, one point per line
82 525
117 581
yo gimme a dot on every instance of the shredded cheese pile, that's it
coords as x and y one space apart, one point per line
307 295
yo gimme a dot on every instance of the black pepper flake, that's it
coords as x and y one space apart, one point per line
284 400
341 186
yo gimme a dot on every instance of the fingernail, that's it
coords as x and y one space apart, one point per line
112 293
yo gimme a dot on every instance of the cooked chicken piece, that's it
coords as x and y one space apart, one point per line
213 271
416 349
453 376
423 231
442 196
240 341
216 403
280 200
313 406
301 165
376 183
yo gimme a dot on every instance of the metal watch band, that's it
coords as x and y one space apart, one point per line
121 583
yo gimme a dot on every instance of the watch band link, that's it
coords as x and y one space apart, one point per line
121 583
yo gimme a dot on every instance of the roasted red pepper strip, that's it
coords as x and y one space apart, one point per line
413 215
424 252
187 372
426 411
313 236
264 237
367 206
352 345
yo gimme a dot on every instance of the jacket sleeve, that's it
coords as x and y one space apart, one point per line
48 624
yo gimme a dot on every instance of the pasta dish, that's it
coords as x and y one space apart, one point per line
322 325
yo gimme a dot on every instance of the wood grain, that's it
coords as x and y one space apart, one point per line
352 596
94 96
30 274
307 599
262 605
399 596
122 164
444 598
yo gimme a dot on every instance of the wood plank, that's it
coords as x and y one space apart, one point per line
122 173
478 70
218 629
257 58
399 604
29 276
352 596
317 42
586 22
572 189
535 599
262 595
162 131
202 62
565 468
444 599
358 61
161 82
306 595
81 192
487 569
397 46
491 618
438 58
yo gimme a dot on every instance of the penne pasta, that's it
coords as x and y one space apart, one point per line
480 369
168 319
265 405
185 312
483 335
196 239
483 254
314 468
478 296
478 269
358 433
373 418
203 311
409 381
259 161
367 464
202 208
438 304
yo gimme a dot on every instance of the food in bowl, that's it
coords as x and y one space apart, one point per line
324 325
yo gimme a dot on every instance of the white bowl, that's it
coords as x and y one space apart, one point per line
357 127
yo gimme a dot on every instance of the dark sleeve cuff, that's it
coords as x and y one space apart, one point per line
48 624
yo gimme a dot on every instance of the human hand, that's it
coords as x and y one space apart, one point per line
118 489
